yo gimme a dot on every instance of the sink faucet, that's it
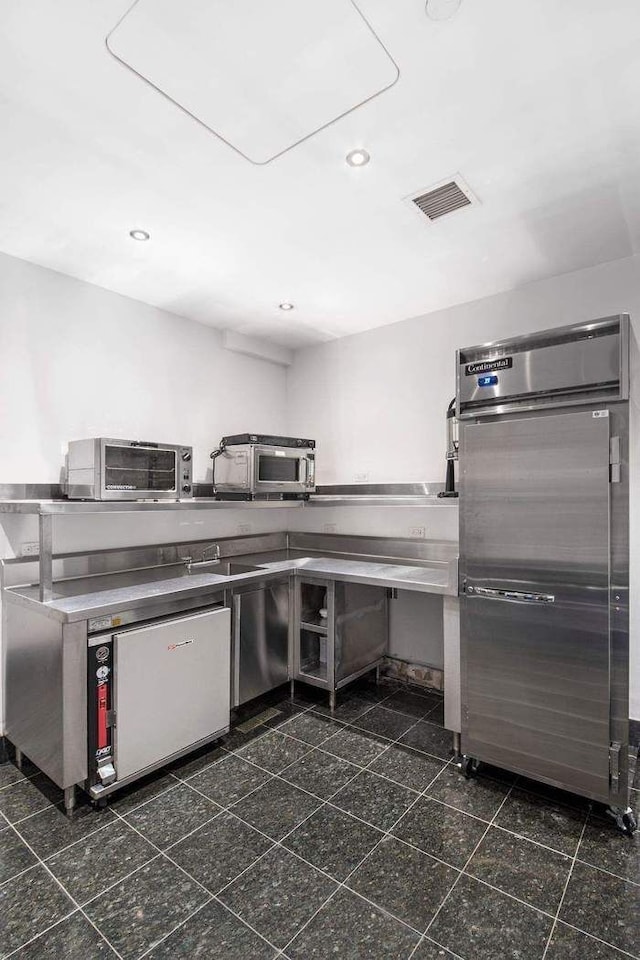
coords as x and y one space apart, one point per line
213 549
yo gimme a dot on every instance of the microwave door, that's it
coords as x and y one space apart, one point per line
134 470
279 469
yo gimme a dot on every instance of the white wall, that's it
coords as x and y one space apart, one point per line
375 402
78 361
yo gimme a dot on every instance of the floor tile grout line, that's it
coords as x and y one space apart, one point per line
209 895
511 896
164 854
111 822
46 860
592 936
427 939
399 713
37 936
565 888
319 748
126 876
14 783
246 923
171 932
68 895
201 826
610 873
35 813
280 843
343 884
537 843
19 874
323 802
462 872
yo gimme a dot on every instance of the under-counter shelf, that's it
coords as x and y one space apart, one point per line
331 652
312 656
315 623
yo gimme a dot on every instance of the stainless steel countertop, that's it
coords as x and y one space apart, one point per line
439 578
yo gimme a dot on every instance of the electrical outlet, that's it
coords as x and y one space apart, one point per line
31 549
419 532
361 478
244 528
330 528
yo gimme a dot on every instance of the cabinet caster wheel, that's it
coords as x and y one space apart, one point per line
469 767
100 804
625 820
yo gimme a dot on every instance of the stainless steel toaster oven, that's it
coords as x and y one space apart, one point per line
252 466
102 469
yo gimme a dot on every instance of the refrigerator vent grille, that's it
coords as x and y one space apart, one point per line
441 200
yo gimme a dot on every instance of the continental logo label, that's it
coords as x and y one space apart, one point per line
488 366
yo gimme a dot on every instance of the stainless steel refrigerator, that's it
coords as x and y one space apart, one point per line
544 558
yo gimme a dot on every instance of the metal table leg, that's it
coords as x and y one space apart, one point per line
45 527
69 799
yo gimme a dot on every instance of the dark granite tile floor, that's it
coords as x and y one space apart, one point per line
317 837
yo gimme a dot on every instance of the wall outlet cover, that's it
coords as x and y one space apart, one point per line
31 549
418 532
361 478
330 528
244 528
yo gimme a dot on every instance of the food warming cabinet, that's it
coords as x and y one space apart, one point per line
544 558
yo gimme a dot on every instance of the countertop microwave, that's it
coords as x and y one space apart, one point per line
252 466
104 469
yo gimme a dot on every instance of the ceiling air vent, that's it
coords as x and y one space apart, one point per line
443 199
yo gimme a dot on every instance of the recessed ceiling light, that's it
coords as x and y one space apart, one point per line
442 9
139 234
358 158
286 305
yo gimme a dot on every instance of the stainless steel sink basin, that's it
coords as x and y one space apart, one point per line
229 568
221 568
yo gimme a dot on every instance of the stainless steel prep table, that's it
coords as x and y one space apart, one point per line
438 580
67 622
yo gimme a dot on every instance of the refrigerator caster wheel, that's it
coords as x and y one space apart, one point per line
624 819
629 824
469 767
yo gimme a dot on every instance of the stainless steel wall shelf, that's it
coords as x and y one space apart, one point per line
364 495
78 507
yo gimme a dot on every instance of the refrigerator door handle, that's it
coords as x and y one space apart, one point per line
513 596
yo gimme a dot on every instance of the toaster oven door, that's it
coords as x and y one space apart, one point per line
131 472
282 470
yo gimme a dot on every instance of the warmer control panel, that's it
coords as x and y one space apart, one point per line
101 761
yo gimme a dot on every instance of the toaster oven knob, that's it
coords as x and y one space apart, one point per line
186 488
186 456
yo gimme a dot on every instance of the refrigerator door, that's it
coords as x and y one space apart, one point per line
535 607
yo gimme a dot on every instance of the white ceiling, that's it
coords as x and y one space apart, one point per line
536 103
